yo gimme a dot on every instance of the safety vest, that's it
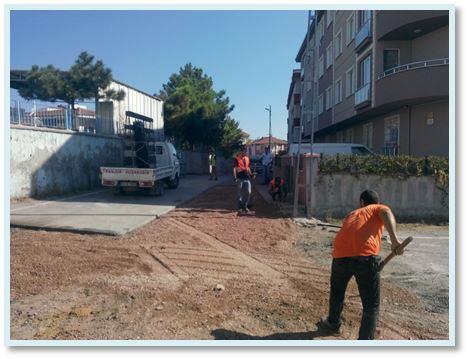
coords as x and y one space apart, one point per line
273 183
243 163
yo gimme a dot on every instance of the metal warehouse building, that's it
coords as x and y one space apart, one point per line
112 113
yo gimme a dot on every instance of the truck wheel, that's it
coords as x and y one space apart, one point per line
158 189
117 190
174 183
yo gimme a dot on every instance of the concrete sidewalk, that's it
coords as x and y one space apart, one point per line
101 211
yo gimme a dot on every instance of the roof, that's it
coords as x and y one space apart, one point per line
266 140
134 88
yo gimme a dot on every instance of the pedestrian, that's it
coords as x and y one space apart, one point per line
356 253
266 160
242 173
212 164
277 188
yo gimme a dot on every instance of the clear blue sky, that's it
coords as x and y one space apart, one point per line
250 54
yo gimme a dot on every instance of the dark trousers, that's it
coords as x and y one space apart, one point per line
368 281
278 192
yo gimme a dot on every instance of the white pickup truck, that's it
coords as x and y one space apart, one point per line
165 171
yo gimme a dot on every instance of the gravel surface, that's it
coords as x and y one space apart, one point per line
201 272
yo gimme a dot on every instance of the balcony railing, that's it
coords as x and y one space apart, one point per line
362 95
413 66
363 35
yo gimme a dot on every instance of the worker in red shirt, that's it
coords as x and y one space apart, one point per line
355 253
277 188
242 173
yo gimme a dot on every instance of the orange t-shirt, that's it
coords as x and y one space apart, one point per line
360 234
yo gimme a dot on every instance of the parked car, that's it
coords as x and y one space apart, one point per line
331 149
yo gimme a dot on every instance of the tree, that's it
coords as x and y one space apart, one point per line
233 137
194 112
86 79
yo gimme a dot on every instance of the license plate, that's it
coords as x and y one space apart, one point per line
129 184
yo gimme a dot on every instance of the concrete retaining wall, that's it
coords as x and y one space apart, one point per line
197 163
47 162
413 198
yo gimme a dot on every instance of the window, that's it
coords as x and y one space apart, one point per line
360 150
391 58
320 104
367 130
338 44
364 16
391 135
350 28
297 98
328 98
320 66
329 55
338 91
329 17
339 137
349 135
365 71
320 30
350 82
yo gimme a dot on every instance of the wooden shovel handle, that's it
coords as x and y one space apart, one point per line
393 253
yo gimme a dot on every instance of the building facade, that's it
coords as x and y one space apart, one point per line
255 149
379 78
294 106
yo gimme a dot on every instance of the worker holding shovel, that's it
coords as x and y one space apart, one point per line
355 253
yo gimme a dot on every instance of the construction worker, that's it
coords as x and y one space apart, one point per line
356 253
277 188
212 164
266 160
242 173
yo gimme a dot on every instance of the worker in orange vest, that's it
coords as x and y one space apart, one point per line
242 173
277 188
356 253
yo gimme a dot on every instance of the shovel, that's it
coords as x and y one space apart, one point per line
393 253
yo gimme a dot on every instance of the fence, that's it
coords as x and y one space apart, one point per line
81 119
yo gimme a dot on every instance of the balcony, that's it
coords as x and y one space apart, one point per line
412 83
392 25
364 36
362 96
413 66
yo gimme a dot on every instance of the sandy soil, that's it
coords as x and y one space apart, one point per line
201 272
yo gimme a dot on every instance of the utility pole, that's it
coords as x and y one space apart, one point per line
269 126
298 158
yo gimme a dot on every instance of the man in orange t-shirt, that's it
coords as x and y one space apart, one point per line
356 253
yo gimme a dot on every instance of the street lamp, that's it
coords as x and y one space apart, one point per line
269 131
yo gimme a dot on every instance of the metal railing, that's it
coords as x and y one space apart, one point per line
59 117
362 95
363 34
414 66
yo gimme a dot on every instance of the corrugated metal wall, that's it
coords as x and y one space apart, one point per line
138 102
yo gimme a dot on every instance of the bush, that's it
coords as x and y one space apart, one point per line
394 166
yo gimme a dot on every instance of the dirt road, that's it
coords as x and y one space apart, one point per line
200 272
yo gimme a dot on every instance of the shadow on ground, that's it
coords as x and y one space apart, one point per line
224 334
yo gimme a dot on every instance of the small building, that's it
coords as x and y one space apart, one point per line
257 147
112 113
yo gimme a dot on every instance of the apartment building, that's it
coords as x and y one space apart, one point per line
294 106
380 78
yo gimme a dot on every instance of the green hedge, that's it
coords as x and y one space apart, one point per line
394 166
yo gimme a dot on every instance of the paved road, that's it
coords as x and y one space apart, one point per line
101 211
